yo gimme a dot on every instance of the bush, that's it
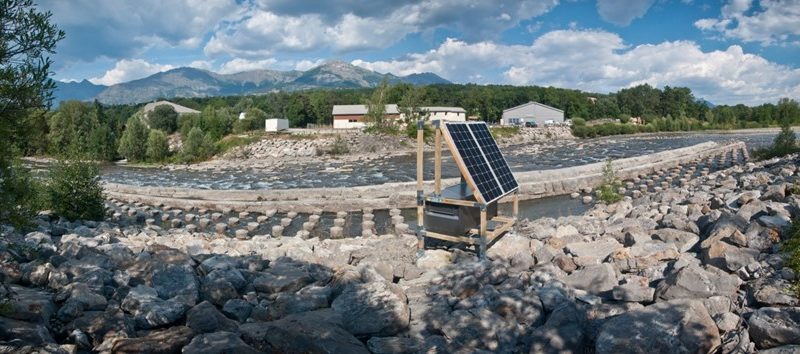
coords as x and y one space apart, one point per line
785 143
791 251
339 147
74 191
609 190
133 144
427 131
197 147
254 120
503 132
157 146
163 118
232 141
22 196
578 122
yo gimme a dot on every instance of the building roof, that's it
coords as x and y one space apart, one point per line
178 108
360 109
532 103
444 109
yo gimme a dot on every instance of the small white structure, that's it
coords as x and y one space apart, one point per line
532 112
352 116
242 116
453 114
276 124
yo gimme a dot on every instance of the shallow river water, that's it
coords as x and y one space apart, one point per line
530 157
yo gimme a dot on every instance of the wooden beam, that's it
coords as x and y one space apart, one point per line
420 191
515 208
437 167
459 239
482 234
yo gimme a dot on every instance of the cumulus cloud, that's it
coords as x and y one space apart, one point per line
304 65
127 70
120 29
600 61
622 12
270 26
238 65
775 22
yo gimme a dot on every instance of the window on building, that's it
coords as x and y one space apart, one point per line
352 121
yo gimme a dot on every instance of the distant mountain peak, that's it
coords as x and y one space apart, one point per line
193 82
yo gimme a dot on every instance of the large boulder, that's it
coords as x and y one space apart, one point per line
27 304
375 308
219 343
170 340
480 328
176 282
596 279
599 249
775 326
515 250
205 318
309 332
677 326
694 282
282 278
25 332
683 240
307 299
150 311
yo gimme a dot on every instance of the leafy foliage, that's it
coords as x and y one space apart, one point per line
609 190
133 144
197 146
785 143
22 195
164 118
157 146
503 132
74 191
791 250
254 120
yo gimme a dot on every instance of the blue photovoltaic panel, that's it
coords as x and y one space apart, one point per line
473 159
496 160
482 159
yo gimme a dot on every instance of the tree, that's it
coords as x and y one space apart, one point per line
197 147
164 118
133 143
788 111
26 41
376 106
74 190
157 146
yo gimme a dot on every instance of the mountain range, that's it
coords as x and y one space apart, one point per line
193 82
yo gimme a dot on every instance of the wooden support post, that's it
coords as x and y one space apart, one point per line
482 234
420 191
437 171
515 210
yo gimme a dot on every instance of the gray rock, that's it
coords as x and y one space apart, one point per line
514 249
727 321
308 299
775 192
205 318
149 311
677 326
219 343
177 283
434 259
772 296
479 329
564 332
231 275
786 349
695 282
218 291
237 309
26 304
596 279
376 308
309 332
726 256
683 240
393 345
633 292
25 332
170 340
775 221
775 326
282 278
81 294
599 249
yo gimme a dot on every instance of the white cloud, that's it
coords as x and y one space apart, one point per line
304 65
600 61
120 29
271 26
127 70
776 22
238 65
622 12
202 64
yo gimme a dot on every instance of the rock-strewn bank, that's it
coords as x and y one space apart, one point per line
688 269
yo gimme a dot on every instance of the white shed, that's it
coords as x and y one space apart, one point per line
276 124
453 114
532 112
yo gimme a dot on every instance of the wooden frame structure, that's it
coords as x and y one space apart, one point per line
484 237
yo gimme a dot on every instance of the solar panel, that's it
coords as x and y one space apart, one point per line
482 159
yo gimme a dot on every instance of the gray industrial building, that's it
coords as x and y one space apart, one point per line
532 112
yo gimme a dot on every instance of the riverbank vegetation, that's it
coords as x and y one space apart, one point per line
785 143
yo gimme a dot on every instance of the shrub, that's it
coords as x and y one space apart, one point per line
163 118
197 147
791 250
339 147
609 190
427 131
133 144
74 191
578 122
503 132
232 141
785 143
157 146
22 195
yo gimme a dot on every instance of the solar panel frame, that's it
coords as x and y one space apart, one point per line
468 152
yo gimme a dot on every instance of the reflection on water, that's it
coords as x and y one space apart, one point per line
402 168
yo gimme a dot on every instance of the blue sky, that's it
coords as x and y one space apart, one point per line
730 51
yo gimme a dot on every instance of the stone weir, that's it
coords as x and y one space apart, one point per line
533 185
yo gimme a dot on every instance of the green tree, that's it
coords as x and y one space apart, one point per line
254 120
788 111
133 143
197 146
298 111
74 191
164 118
157 146
26 41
